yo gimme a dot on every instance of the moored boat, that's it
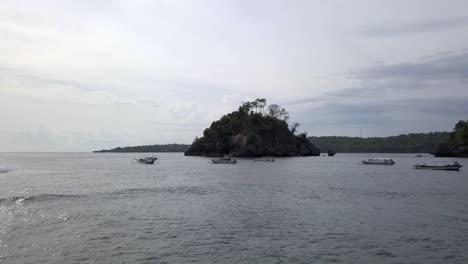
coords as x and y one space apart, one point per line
147 160
378 162
454 166
265 160
225 160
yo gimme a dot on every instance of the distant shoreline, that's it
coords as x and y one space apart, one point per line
166 148
416 143
108 151
405 143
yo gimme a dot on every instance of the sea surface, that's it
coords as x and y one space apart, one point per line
104 208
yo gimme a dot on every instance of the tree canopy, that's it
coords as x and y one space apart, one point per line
457 144
459 134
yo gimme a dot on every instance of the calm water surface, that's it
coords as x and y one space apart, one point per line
102 208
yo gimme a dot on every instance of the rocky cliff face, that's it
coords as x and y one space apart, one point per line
243 134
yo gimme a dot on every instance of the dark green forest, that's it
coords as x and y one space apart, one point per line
457 143
409 143
459 136
150 148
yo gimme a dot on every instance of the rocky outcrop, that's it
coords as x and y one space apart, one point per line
451 150
245 133
457 145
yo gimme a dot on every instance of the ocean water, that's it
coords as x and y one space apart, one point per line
102 208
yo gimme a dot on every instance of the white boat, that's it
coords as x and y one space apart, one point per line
378 162
225 160
455 166
147 160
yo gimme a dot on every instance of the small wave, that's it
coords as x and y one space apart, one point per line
171 190
385 253
39 197
370 193
386 194
6 167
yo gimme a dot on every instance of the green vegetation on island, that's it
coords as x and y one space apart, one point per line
150 148
457 143
410 143
254 130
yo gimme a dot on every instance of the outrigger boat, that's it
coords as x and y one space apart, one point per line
378 162
455 166
225 160
147 160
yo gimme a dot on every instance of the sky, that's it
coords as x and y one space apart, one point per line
88 75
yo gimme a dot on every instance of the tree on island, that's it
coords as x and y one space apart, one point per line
253 130
276 111
457 145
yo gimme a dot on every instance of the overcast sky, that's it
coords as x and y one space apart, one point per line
86 75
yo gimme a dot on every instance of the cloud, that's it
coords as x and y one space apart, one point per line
396 98
41 80
42 139
146 112
384 117
447 70
157 72
331 96
393 29
441 67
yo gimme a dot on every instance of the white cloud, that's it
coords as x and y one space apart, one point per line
161 71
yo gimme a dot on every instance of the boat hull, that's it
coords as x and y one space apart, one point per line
371 163
448 168
264 160
223 162
146 161
378 162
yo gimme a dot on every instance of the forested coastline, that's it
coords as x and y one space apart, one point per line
405 143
